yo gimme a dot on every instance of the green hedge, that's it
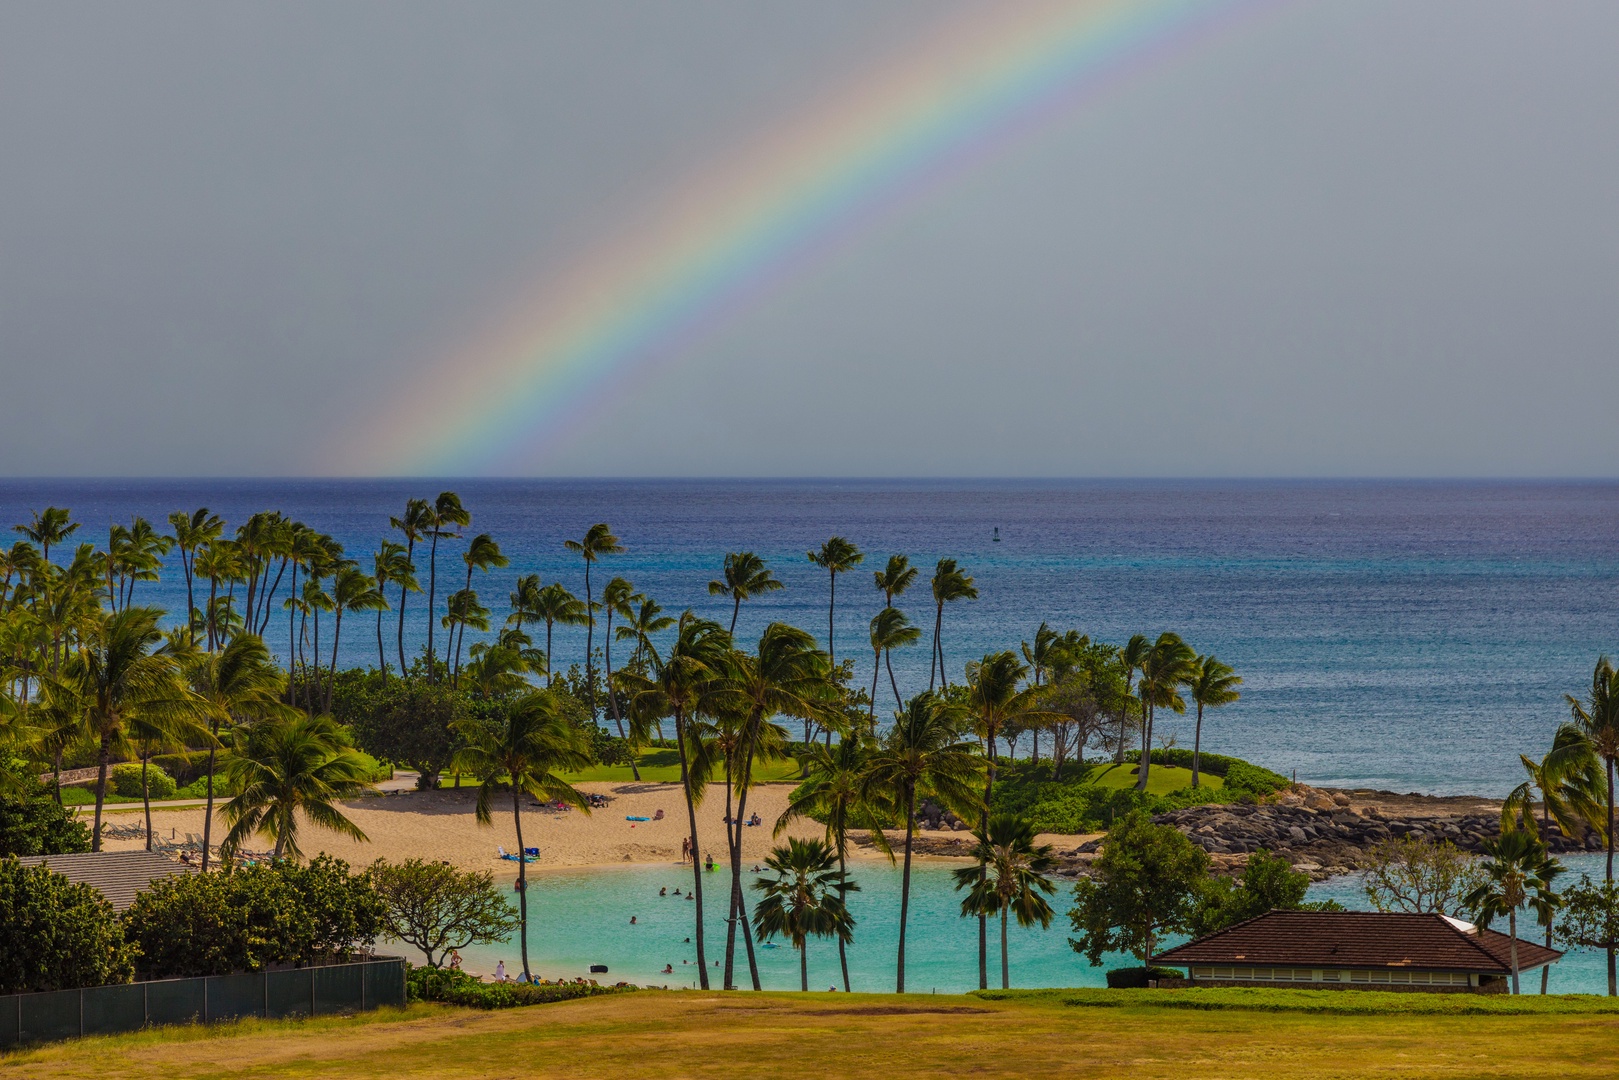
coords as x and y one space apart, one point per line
126 781
459 988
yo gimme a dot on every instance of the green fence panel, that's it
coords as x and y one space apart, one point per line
340 988
234 996
291 992
175 1001
46 1017
11 1020
114 1008
385 984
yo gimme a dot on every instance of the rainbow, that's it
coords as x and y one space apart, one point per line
962 94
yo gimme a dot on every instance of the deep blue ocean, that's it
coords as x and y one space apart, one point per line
1407 635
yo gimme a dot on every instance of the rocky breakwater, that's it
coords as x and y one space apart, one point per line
1326 832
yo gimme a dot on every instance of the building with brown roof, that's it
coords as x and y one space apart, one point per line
1356 949
120 875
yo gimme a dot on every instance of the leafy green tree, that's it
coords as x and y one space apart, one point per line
1009 880
1268 883
410 722
524 753
1403 874
440 909
922 756
743 577
1142 886
1517 871
949 585
831 793
252 917
32 822
1590 916
284 769
1210 684
57 935
597 541
804 900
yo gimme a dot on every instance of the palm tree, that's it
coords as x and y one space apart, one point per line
644 621
391 566
448 516
744 577
192 531
1011 881
922 755
684 685
1211 684
1165 667
598 541
617 596
556 606
481 554
895 578
414 524
1516 871
149 735
287 768
462 611
1569 780
890 630
526 753
786 676
237 684
805 900
118 678
525 601
831 793
949 585
218 561
1040 659
1597 719
55 525
996 703
837 556
1130 658
351 591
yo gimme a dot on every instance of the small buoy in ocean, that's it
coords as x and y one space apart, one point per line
997 536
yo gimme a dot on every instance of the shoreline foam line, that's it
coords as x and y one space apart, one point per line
758 218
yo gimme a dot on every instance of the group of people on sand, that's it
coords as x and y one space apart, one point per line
755 820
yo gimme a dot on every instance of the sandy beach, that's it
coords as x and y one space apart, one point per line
441 825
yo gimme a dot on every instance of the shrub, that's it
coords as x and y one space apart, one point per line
251 917
459 988
126 781
57 935
31 823
438 908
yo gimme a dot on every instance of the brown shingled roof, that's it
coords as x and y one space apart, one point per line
1359 939
118 874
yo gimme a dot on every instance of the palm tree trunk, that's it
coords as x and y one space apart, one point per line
1146 752
105 758
432 585
736 874
696 856
736 897
331 681
803 966
550 678
403 592
831 609
590 682
934 658
1613 975
1546 969
382 657
191 605
1512 928
843 892
146 799
876 669
1006 975
736 609
1197 744
208 810
522 881
888 660
905 892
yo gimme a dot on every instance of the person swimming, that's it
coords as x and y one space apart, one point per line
632 920
664 891
668 969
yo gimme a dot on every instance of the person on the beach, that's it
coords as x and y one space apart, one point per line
685 848
500 971
455 960
708 863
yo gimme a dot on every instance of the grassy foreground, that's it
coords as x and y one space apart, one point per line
1140 1034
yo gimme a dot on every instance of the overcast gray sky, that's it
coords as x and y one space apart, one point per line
1378 238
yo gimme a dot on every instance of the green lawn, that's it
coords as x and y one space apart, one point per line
1161 780
663 767
1143 1035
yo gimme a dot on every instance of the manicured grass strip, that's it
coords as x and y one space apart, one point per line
713 1035
1161 779
1324 1002
663 767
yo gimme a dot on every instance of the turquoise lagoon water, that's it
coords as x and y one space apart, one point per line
582 917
